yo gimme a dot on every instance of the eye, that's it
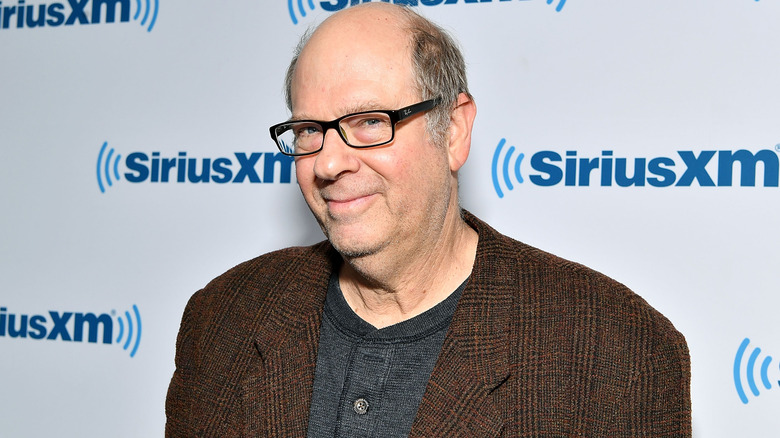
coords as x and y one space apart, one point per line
368 121
371 122
304 130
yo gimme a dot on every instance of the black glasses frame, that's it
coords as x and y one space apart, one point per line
395 117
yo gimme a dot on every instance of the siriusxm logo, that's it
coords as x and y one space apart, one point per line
75 327
54 14
154 167
706 168
750 371
336 5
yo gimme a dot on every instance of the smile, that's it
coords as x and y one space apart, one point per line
348 205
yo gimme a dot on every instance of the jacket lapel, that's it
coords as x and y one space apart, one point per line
466 392
277 395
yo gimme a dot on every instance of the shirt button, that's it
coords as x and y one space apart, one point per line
360 406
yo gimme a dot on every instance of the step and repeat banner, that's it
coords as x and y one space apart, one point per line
638 137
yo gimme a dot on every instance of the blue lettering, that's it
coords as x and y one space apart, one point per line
86 325
40 15
586 167
696 168
540 164
656 168
93 322
285 164
621 177
159 169
37 329
182 167
8 12
247 167
56 17
155 166
222 167
167 165
336 5
133 162
110 10
20 14
59 326
204 173
606 168
571 168
41 20
12 331
77 12
748 162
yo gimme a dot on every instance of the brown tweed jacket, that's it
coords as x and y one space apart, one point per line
538 347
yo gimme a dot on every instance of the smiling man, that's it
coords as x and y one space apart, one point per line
413 318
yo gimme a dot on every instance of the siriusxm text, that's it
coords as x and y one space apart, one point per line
22 15
64 326
256 167
705 168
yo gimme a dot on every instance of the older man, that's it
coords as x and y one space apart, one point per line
414 318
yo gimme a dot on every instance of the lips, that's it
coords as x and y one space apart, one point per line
347 204
341 199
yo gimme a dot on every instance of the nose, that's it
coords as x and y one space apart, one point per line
335 158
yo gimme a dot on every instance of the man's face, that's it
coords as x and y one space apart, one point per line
368 200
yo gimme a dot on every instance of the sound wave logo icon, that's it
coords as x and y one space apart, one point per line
150 13
505 168
104 167
301 9
750 371
133 331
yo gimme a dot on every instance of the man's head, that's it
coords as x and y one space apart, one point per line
402 195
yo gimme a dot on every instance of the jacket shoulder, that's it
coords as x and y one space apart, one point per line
562 286
264 274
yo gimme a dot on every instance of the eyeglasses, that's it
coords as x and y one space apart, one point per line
359 130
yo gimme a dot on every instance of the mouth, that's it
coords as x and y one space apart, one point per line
345 205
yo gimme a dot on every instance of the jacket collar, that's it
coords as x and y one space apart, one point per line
472 364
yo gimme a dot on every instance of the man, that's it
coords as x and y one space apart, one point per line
414 318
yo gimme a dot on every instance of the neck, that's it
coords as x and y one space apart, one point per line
385 289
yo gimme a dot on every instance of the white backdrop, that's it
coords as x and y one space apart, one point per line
666 81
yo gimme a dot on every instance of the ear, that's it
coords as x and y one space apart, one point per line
461 124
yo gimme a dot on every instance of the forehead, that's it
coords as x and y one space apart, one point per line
353 60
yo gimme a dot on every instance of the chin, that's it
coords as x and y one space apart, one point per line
354 246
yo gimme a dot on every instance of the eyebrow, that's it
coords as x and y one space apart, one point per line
358 108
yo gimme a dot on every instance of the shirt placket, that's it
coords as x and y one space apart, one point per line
361 401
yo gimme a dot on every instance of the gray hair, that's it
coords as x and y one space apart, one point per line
438 66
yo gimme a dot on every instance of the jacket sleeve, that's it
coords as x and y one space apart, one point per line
657 401
180 402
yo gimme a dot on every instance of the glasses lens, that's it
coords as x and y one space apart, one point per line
299 138
367 129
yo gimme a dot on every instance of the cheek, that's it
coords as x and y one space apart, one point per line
304 173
